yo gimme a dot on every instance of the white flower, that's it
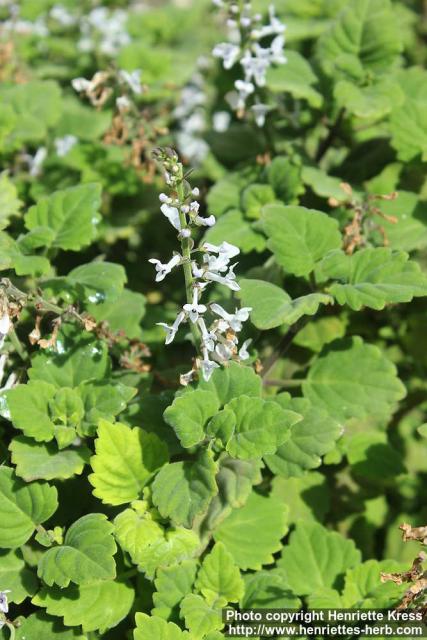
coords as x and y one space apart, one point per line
194 206
224 249
186 378
260 111
164 198
208 337
234 320
81 84
244 90
164 269
123 103
184 233
172 214
205 222
132 79
221 121
4 605
228 52
207 367
64 145
225 350
228 281
62 15
243 353
276 50
171 331
256 66
195 192
194 308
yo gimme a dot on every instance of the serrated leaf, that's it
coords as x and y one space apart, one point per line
98 282
307 497
322 184
238 231
284 175
151 546
182 490
373 459
254 427
299 237
150 627
363 587
296 77
268 590
309 440
246 536
410 231
86 554
373 101
200 617
364 38
254 197
102 399
16 577
39 625
113 313
125 459
78 357
232 381
353 379
172 585
12 257
98 605
45 461
28 405
22 507
316 558
71 213
374 278
272 306
9 201
219 577
408 122
189 414
319 332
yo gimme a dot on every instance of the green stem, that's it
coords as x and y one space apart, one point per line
17 344
186 254
11 628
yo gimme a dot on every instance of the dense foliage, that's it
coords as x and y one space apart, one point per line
144 487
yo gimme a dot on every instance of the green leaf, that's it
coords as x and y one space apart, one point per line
200 617
219 577
307 497
98 605
316 558
19 580
322 184
71 213
372 458
22 507
299 237
284 175
150 627
254 197
44 461
125 459
103 400
309 439
364 38
238 231
98 282
410 231
188 415
182 490
319 332
28 405
233 381
256 427
85 556
268 590
123 314
78 357
12 257
38 625
373 101
149 545
172 585
408 121
36 105
272 306
246 536
374 278
363 587
351 379
82 121
296 78
9 201
234 479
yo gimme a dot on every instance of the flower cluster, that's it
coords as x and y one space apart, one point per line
256 47
104 30
216 339
102 85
